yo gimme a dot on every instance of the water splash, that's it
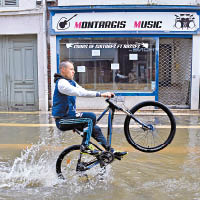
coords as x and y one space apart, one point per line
92 181
35 168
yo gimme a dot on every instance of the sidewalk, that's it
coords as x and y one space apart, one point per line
99 111
174 111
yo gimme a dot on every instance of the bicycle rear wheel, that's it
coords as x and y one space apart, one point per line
66 165
161 123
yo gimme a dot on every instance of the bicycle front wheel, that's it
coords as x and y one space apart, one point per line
160 122
66 165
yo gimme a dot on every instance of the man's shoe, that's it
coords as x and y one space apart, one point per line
89 149
119 154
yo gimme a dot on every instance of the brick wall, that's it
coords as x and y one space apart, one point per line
48 52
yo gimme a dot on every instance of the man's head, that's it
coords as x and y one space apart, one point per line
67 69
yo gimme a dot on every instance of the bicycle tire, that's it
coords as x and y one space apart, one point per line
67 162
135 133
61 158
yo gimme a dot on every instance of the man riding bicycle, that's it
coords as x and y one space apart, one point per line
64 108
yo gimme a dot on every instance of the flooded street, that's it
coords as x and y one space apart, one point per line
30 144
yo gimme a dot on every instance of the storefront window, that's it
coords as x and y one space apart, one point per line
125 64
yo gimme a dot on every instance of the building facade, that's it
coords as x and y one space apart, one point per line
140 50
23 55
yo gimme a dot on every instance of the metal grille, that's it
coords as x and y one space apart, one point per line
175 61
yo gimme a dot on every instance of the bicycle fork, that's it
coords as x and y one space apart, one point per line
145 127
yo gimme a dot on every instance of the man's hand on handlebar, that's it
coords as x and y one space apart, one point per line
108 94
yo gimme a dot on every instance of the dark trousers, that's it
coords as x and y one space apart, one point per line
96 130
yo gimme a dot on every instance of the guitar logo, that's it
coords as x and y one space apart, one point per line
64 23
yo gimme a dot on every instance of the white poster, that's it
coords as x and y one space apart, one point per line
153 85
133 56
114 66
95 52
80 68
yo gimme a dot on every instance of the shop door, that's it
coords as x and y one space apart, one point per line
19 77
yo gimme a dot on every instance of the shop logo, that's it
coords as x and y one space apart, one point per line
64 23
184 21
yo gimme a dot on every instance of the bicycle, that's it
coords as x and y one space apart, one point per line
146 133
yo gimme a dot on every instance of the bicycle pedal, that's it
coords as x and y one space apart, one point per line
120 153
118 157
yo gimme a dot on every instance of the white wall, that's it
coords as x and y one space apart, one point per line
127 2
20 24
195 72
53 62
23 5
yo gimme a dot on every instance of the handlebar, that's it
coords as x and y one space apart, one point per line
113 105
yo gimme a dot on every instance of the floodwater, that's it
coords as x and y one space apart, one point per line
29 148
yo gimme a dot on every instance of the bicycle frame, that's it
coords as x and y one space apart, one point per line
111 109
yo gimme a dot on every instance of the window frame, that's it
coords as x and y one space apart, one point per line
120 93
3 3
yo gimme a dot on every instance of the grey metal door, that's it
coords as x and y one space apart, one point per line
3 74
20 73
175 61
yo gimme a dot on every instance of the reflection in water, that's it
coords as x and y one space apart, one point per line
191 166
173 173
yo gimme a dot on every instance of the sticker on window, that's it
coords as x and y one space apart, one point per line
95 52
115 66
133 56
80 68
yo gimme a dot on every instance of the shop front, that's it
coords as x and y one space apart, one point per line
139 53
